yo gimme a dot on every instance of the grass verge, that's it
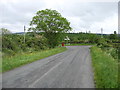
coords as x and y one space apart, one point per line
9 63
105 69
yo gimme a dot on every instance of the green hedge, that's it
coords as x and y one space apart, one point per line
13 43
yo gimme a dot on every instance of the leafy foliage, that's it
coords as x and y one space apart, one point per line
13 43
52 23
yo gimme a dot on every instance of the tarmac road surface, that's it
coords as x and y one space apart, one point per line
70 69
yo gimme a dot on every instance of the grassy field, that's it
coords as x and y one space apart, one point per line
9 63
105 69
79 44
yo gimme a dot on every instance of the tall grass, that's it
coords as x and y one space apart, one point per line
105 69
12 62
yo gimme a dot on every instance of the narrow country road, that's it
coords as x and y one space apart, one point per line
70 69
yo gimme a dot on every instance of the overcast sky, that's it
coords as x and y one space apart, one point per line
84 16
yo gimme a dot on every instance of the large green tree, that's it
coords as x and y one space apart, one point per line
52 24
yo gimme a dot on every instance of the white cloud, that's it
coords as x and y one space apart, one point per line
18 27
82 15
109 25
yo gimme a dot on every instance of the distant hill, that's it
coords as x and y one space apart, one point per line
70 33
18 33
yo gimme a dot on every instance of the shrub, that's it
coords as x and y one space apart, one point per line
13 43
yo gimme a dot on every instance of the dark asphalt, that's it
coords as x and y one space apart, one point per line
70 69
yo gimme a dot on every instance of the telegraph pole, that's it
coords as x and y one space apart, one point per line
24 34
89 32
101 32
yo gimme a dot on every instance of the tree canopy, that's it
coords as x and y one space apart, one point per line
52 23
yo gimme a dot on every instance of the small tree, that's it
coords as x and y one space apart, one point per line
115 32
4 31
113 36
52 23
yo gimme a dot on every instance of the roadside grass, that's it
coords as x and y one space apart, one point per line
12 62
105 69
0 61
79 44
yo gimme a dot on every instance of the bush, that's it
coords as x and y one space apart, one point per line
13 43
